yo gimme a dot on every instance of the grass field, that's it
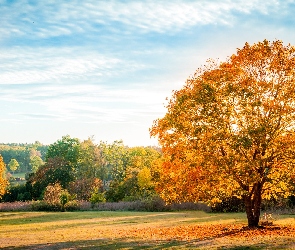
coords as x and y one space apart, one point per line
141 230
20 175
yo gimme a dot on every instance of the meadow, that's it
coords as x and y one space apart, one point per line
141 230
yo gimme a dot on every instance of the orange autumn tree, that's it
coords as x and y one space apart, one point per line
3 181
230 131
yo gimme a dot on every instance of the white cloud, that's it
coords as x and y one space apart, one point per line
51 19
47 65
116 77
102 104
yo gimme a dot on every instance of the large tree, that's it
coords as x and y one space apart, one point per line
55 170
230 131
90 160
67 148
36 162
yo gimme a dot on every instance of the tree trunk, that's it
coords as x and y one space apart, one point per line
253 205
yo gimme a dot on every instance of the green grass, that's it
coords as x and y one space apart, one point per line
19 175
129 230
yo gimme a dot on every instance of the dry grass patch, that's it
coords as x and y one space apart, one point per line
140 230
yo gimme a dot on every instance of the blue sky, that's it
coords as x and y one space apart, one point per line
104 68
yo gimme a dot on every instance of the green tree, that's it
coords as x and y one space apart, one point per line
90 160
67 148
55 170
36 162
22 153
113 160
137 180
230 130
141 157
13 165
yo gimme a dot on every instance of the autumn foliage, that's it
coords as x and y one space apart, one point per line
3 181
230 130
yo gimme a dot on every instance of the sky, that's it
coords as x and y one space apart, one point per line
104 69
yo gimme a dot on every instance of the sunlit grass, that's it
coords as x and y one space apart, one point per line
131 230
19 175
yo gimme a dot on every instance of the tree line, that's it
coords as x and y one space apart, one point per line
111 171
23 157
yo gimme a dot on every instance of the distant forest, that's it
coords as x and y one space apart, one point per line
87 171
23 153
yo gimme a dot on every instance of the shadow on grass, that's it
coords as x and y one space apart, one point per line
254 247
22 218
140 244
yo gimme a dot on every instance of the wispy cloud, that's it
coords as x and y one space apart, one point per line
107 66
90 103
46 65
38 116
54 18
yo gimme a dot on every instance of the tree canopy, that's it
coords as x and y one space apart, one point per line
13 165
3 181
86 169
23 153
230 130
67 148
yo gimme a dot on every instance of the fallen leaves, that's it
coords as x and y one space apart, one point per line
205 232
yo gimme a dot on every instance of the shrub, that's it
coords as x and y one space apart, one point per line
55 198
52 194
64 198
15 206
155 204
17 193
116 191
83 188
72 206
97 197
44 206
190 206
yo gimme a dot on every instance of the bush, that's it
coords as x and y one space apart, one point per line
72 206
116 192
64 198
15 206
83 188
151 204
17 193
44 206
52 194
190 206
97 197
155 204
55 199
26 196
